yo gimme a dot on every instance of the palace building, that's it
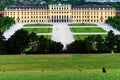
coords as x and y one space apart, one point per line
60 13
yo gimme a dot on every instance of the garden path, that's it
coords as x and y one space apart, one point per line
61 33
108 28
12 30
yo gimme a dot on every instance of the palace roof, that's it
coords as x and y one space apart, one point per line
93 7
96 7
27 7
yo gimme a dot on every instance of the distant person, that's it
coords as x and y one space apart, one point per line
103 70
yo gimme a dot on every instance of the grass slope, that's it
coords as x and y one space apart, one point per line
94 29
60 67
78 24
92 75
38 25
39 30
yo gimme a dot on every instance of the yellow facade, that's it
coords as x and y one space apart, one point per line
61 13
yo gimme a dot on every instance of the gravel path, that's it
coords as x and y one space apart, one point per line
61 33
108 28
12 30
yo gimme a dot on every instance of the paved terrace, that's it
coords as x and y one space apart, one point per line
61 33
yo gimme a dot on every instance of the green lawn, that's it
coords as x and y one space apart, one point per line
38 25
60 67
94 29
78 24
47 36
39 30
82 37
84 75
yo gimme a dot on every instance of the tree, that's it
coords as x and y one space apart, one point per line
118 43
5 22
33 37
55 47
77 47
42 44
3 49
71 47
114 22
90 43
33 42
100 44
110 41
85 46
19 41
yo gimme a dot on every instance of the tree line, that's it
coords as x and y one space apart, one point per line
23 42
96 44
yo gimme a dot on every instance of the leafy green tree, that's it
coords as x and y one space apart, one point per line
5 22
42 45
114 22
118 43
90 43
85 46
100 46
19 41
110 41
3 49
71 47
55 47
33 41
77 47
33 37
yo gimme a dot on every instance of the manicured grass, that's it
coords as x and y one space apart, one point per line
78 24
47 36
39 30
82 37
59 62
94 29
60 67
84 75
38 25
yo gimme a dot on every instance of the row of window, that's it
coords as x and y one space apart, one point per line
93 8
62 8
89 16
88 20
28 9
46 13
60 17
59 8
95 13
35 17
67 20
31 21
